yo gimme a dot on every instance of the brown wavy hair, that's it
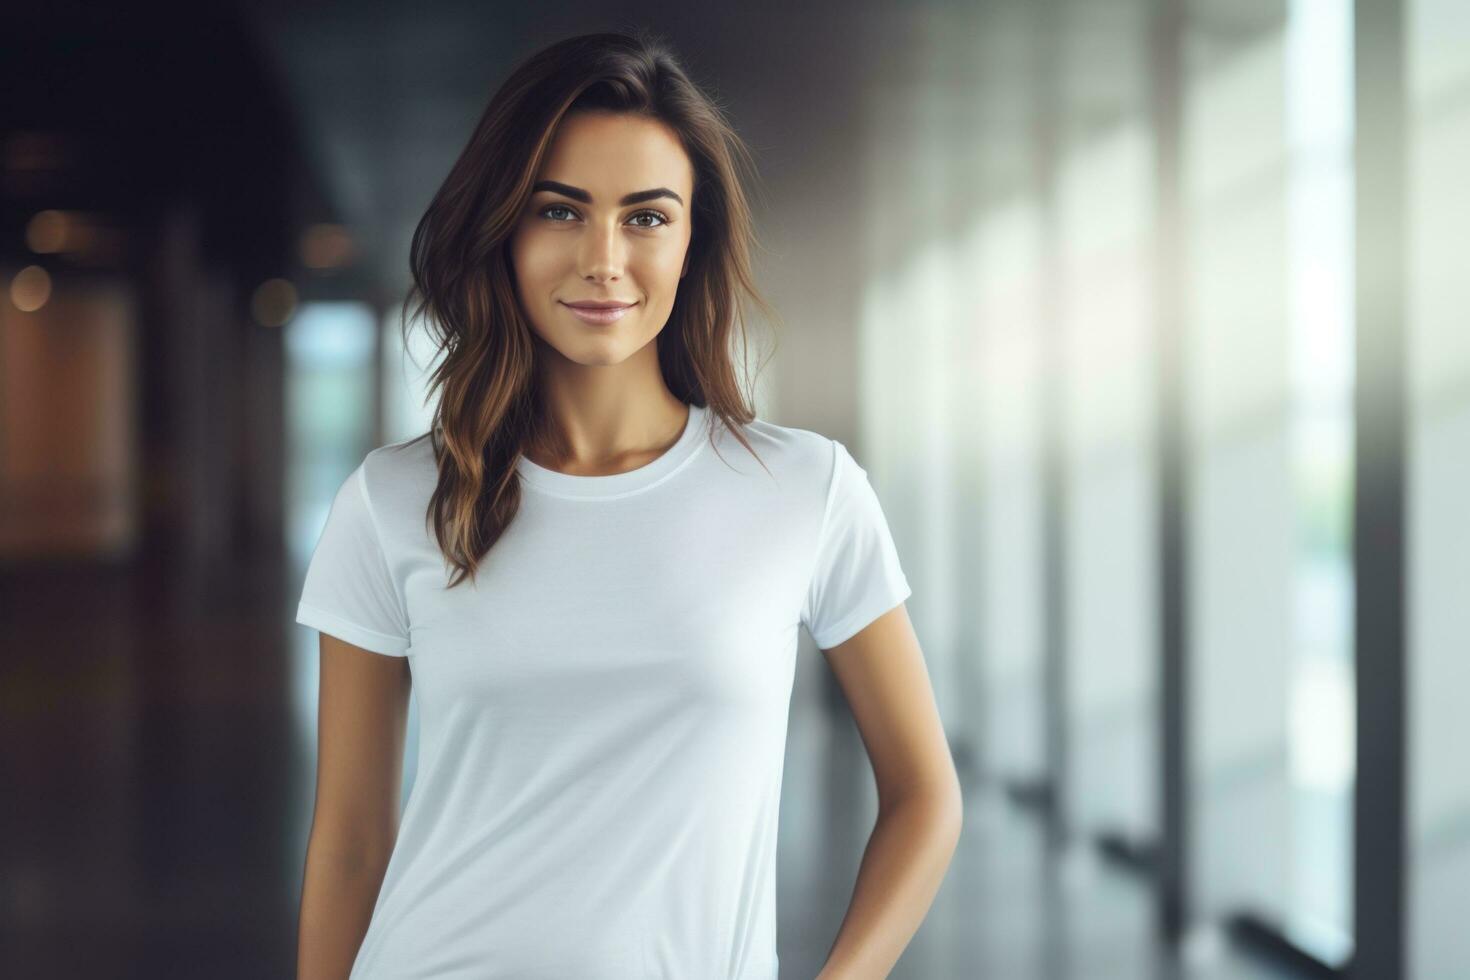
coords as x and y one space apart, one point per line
489 405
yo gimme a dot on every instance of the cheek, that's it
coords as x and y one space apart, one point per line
667 261
533 259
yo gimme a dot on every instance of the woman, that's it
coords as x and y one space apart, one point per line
594 569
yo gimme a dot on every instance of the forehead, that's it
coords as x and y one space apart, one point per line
611 154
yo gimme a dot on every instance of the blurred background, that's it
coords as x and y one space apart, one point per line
1147 319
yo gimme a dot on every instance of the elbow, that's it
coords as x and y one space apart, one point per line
952 806
356 847
949 807
942 804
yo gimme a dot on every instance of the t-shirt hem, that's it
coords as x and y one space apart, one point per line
854 623
320 619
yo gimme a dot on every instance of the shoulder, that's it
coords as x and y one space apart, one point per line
400 475
800 453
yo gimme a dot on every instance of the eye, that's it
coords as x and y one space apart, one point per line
548 212
663 218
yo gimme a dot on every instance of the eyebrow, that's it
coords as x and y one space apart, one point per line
577 194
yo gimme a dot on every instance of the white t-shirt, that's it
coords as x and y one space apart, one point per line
603 712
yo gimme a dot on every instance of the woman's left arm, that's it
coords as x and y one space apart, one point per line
920 812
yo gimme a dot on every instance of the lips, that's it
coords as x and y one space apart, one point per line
599 312
599 304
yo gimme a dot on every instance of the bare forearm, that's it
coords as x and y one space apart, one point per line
902 868
337 896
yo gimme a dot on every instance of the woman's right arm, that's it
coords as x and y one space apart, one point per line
361 720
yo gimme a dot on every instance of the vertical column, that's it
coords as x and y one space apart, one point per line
1048 135
1379 808
1167 96
263 472
968 121
378 306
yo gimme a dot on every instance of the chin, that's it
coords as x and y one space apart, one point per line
594 351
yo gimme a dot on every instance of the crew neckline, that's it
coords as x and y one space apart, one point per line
622 484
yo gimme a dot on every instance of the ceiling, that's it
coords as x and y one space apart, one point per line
387 92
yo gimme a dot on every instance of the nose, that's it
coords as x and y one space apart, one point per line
601 257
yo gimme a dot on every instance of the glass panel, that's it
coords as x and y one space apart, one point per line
1010 381
1268 175
1106 212
329 411
1320 288
1438 487
1241 493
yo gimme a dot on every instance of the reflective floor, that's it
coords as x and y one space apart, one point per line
158 764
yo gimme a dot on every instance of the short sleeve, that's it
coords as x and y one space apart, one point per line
349 591
857 576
